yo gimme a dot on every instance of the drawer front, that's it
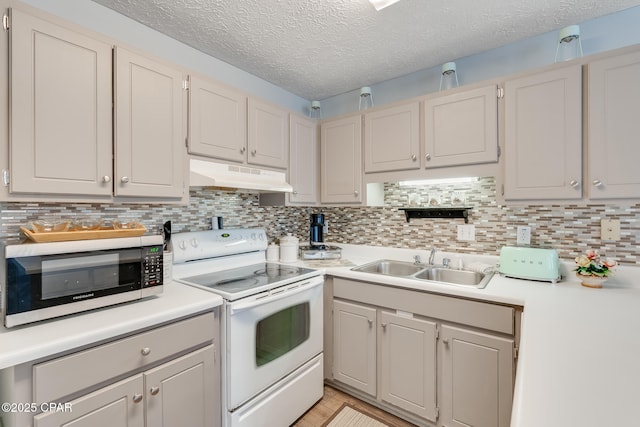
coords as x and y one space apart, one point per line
66 375
451 309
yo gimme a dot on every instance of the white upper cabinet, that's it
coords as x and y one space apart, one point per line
303 164
392 138
461 128
341 160
543 135
61 137
614 126
149 143
217 120
268 135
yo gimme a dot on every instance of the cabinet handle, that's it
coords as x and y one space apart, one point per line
145 351
253 152
428 157
137 398
597 183
574 183
106 178
370 322
414 157
243 149
355 193
124 179
154 390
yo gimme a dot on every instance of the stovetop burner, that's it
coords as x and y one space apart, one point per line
241 279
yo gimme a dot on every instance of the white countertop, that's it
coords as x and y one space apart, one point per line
579 348
30 342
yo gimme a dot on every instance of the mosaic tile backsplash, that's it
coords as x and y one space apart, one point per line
568 228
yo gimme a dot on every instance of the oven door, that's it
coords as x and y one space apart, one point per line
270 335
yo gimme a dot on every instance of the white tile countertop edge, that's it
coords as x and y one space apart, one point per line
43 339
579 347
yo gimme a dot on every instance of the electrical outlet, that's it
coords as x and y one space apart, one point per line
523 235
610 229
325 227
467 232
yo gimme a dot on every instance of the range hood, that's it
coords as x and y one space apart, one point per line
205 173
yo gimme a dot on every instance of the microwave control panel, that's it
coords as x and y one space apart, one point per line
151 266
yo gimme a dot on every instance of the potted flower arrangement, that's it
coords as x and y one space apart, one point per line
592 270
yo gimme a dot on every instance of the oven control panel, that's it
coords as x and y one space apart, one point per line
215 243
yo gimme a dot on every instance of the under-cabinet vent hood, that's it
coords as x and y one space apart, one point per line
211 174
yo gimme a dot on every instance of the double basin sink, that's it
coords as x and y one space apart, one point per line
432 273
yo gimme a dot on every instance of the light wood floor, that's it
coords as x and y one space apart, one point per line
333 400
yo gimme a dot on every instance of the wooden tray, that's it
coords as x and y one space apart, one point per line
66 236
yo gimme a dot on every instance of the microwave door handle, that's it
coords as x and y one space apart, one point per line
304 286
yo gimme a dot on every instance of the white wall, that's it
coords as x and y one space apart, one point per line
105 21
598 35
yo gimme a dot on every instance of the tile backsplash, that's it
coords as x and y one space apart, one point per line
568 228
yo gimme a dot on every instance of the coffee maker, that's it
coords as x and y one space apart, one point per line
316 231
317 248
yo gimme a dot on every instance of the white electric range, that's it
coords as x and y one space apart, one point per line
271 324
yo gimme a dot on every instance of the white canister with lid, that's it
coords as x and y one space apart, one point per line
288 248
273 252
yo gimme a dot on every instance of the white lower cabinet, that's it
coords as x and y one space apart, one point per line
166 376
354 359
477 378
408 363
406 352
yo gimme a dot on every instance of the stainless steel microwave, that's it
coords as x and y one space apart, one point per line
47 280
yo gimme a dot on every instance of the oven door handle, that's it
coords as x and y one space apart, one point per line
304 286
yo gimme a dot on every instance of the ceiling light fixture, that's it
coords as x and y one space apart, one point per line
366 98
569 44
381 4
314 111
449 76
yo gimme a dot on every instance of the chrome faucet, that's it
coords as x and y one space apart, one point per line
432 256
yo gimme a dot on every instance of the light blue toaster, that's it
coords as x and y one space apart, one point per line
530 263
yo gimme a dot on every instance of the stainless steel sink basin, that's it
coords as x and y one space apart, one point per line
447 275
438 274
390 268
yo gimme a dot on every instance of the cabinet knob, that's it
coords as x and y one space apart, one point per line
145 351
137 398
597 183
445 341
295 192
414 157
355 193
124 179
574 183
384 326
253 152
370 322
154 390
243 149
106 178
428 156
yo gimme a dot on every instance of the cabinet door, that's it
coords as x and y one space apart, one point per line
354 346
614 126
149 143
477 379
181 392
408 364
543 135
268 140
392 139
118 405
303 166
60 105
341 160
217 121
461 128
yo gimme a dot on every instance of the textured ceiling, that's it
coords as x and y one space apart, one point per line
320 48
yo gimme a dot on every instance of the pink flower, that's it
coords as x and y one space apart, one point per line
610 263
591 254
